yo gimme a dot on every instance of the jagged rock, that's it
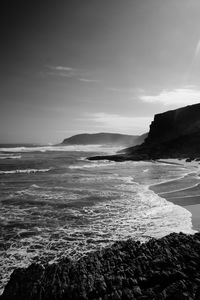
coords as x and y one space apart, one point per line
167 268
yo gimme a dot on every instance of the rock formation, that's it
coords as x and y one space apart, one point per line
167 268
173 134
174 124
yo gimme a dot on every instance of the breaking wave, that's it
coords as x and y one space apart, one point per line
70 212
28 171
10 156
79 148
93 165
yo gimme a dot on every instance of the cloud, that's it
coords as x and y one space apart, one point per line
183 96
126 90
197 49
88 80
64 71
118 123
61 68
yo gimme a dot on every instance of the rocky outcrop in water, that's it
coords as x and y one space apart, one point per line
111 139
167 268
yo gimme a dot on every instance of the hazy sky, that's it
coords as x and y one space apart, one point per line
73 66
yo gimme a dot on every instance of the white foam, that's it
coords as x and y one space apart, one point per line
128 179
182 197
102 163
117 208
82 148
9 156
105 163
28 171
168 180
179 190
35 186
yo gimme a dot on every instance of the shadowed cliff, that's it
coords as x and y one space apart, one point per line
173 134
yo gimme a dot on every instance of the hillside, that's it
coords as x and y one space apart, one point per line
112 139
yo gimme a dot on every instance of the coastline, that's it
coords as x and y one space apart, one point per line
187 197
157 269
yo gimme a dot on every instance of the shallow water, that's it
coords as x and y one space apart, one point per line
55 203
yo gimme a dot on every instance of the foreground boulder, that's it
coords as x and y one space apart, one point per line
168 268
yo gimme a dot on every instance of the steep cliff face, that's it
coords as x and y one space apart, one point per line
174 124
173 134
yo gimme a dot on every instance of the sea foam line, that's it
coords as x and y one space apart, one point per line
24 171
81 148
92 165
11 157
169 180
179 190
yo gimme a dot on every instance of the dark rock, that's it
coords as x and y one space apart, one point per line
167 268
127 294
173 134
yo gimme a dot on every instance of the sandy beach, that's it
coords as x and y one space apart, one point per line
184 191
195 211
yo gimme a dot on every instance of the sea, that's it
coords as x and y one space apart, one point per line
55 203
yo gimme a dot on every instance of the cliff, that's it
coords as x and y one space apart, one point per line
173 134
112 139
174 124
166 268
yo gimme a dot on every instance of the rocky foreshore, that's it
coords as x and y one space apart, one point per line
167 268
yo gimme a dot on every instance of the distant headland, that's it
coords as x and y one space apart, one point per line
105 138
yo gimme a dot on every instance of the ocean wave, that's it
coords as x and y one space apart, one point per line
102 163
180 190
28 171
79 148
10 156
106 163
133 211
49 222
169 180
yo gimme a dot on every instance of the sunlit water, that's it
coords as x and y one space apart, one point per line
55 203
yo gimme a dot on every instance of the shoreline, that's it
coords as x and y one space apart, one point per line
121 271
189 202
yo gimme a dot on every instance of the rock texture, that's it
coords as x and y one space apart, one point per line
174 124
105 139
167 268
173 134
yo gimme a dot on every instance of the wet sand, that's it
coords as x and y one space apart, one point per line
184 191
195 211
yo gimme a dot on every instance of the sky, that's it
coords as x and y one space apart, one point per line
75 66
